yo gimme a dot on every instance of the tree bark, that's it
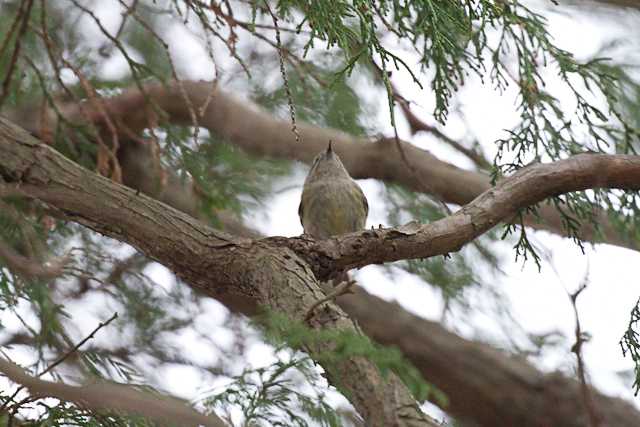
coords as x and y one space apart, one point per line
259 133
246 275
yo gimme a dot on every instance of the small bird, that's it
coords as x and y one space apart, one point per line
332 202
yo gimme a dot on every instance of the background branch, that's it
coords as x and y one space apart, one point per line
259 133
112 397
490 387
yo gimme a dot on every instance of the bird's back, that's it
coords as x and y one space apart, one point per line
332 207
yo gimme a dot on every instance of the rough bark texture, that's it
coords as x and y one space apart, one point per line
260 133
243 274
485 386
477 378
526 187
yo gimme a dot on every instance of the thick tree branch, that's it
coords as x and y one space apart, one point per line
526 187
112 397
244 274
260 133
476 378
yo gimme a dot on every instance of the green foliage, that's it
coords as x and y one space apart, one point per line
63 414
336 106
452 274
25 237
630 344
271 395
224 175
340 345
453 38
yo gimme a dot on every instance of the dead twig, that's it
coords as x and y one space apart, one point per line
58 361
16 48
341 289
595 419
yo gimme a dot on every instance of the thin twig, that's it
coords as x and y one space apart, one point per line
416 125
595 419
192 113
31 268
79 344
14 26
292 110
341 289
125 15
62 358
16 52
101 396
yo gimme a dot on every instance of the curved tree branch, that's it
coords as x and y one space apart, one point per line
526 187
260 133
243 274
265 272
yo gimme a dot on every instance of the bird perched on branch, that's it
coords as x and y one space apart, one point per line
332 202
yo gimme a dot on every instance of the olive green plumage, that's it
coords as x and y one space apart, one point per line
332 202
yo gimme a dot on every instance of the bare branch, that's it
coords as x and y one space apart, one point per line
595 419
66 355
341 289
113 397
24 14
260 133
526 187
416 124
31 268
